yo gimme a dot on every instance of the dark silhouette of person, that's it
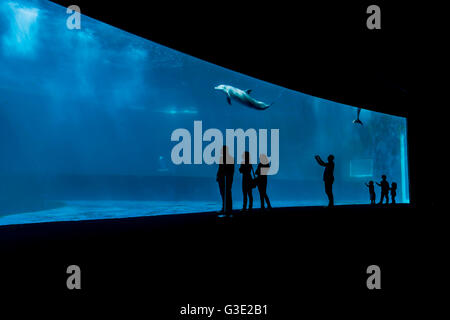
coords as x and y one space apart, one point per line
393 191
384 189
328 177
371 187
246 170
225 179
261 173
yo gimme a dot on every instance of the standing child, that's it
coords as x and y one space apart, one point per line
393 191
371 187
384 189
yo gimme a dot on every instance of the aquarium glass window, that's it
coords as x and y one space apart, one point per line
92 117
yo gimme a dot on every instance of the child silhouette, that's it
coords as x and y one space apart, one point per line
371 187
393 191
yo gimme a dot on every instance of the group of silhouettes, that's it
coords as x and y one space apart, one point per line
252 179
384 190
328 178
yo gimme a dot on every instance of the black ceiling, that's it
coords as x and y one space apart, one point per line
319 48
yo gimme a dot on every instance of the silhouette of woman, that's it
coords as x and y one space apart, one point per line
225 179
246 170
261 172
328 177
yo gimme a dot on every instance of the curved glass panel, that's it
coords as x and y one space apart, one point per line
88 121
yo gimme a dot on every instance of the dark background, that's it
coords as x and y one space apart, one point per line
297 261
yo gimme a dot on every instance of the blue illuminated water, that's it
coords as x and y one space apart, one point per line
86 118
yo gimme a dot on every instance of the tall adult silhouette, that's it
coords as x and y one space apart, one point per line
261 173
225 179
328 177
246 170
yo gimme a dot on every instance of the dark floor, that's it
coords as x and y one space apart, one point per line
293 259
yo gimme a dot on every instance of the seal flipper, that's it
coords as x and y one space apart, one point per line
229 100
357 117
248 91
